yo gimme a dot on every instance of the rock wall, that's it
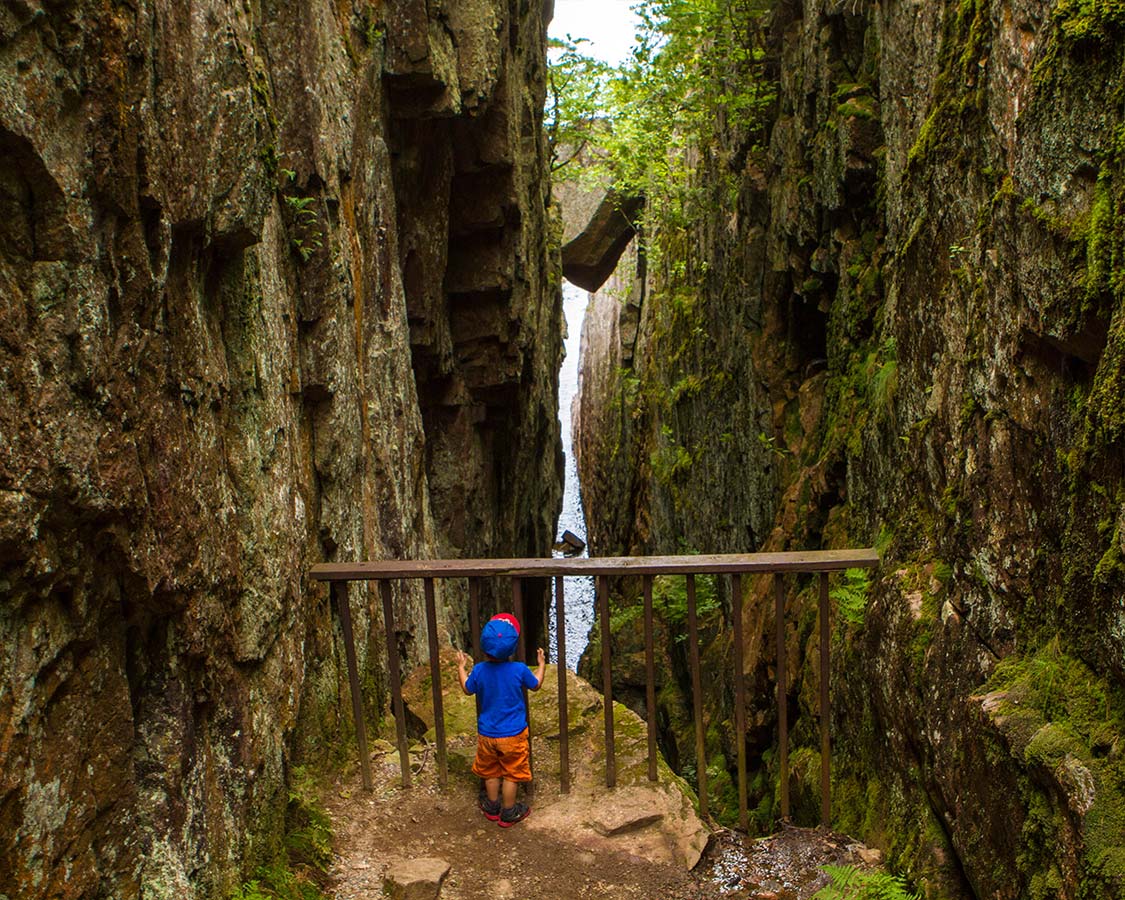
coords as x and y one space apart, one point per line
274 292
916 289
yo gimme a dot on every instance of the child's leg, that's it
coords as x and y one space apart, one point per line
492 788
510 788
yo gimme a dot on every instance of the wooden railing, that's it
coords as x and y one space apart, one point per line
820 562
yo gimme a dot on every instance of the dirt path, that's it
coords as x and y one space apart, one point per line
373 830
486 861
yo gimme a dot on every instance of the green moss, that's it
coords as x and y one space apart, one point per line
1051 744
670 464
1067 725
859 108
1100 239
959 90
883 815
1096 21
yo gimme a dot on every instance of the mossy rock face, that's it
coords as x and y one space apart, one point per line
964 316
1064 727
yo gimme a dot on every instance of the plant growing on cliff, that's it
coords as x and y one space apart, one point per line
298 872
307 239
698 66
851 596
304 222
850 883
576 102
697 69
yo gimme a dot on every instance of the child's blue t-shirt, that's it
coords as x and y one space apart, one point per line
500 687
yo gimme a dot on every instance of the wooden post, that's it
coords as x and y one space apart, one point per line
782 694
474 627
396 681
607 680
650 677
343 609
697 697
560 671
474 616
739 699
825 712
435 682
521 655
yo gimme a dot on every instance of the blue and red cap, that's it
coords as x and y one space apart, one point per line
500 635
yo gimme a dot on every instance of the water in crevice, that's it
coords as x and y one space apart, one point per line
578 593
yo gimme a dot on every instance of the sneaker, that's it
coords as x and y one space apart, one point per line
513 814
490 808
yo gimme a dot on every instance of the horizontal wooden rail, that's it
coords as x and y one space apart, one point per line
735 565
716 564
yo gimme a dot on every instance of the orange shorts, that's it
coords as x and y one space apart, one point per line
505 757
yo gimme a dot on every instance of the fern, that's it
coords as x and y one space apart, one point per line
850 883
851 596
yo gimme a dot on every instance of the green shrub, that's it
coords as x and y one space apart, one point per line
851 596
850 883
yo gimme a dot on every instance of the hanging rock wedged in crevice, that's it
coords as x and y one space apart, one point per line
917 295
592 255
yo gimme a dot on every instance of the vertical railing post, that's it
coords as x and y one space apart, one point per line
560 672
607 681
517 611
521 655
650 676
343 609
474 616
435 681
697 696
474 627
825 713
739 699
396 680
782 694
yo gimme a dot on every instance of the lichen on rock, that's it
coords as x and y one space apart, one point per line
214 377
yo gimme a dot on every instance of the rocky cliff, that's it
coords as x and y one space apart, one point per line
274 292
899 320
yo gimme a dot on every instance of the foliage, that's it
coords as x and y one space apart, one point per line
669 603
307 236
277 882
297 874
670 461
1091 20
698 66
882 373
851 596
669 597
251 890
850 883
309 835
577 87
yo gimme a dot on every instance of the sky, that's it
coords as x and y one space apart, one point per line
609 24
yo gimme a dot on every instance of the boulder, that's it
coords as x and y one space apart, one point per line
415 879
570 544
655 820
591 257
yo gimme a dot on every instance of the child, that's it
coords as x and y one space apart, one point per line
503 758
